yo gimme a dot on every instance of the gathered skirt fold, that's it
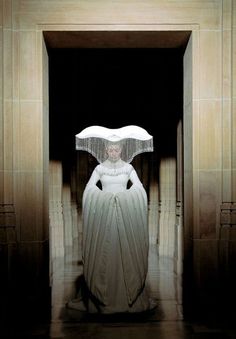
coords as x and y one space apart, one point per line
115 245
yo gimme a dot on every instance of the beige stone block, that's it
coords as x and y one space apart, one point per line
44 65
30 87
187 130
27 21
210 183
16 134
44 76
205 13
234 13
7 13
16 64
8 187
195 64
1 137
233 133
234 185
188 79
195 203
168 206
28 191
15 14
50 13
30 147
208 15
120 27
8 135
41 62
210 134
188 207
226 185
1 66
226 134
227 63
234 61
46 138
1 186
55 173
1 14
195 134
7 63
227 14
210 64
55 193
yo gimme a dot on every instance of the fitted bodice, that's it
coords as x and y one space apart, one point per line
114 183
114 178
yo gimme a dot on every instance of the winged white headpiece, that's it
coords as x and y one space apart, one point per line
133 139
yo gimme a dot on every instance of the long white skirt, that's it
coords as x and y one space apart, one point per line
115 249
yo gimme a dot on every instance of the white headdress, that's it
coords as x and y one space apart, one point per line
134 140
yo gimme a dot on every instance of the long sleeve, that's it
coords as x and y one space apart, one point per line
95 177
134 178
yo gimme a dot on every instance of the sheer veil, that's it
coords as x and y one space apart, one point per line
133 139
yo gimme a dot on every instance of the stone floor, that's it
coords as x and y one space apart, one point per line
165 322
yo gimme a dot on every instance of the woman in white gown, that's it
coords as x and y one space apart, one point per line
115 237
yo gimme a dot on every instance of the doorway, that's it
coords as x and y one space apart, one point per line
114 87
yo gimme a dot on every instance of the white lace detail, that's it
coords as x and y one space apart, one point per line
113 171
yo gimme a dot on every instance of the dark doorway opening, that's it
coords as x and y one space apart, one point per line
113 87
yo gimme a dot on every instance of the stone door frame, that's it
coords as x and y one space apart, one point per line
185 207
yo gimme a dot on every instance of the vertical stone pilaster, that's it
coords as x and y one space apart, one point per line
227 230
190 158
74 209
227 117
8 236
1 108
153 212
233 87
178 252
56 210
7 102
167 207
67 217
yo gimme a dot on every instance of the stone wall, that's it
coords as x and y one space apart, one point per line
209 174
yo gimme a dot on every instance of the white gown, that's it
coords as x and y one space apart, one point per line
115 239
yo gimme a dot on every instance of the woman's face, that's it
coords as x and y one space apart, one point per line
114 152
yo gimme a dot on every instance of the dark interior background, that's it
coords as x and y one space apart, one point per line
114 87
